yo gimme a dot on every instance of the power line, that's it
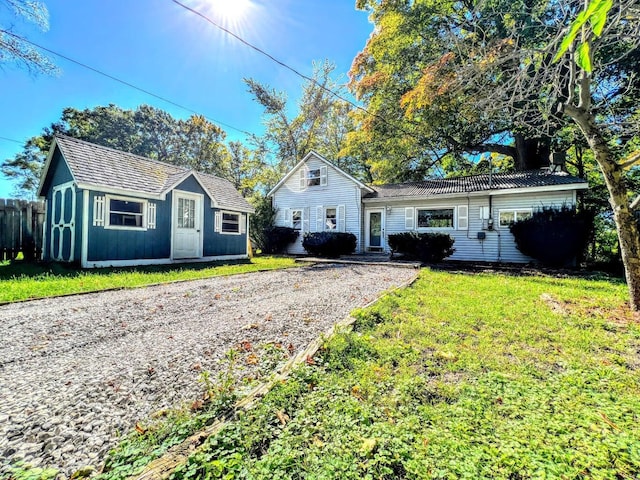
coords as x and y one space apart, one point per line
11 140
281 63
147 92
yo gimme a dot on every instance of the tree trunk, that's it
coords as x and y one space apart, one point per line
626 223
531 153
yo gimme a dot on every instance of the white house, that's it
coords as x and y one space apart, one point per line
475 210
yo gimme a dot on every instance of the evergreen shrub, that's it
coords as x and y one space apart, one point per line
554 236
329 244
426 247
276 239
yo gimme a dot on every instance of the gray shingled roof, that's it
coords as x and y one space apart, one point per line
100 166
475 183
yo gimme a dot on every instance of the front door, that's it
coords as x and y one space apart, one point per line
375 231
187 221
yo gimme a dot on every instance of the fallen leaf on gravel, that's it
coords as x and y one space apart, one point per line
217 296
291 348
197 405
310 360
140 429
251 326
252 359
246 346
196 366
268 318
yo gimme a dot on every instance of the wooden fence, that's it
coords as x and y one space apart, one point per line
21 229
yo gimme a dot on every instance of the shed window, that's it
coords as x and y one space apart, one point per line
126 213
509 217
435 218
230 222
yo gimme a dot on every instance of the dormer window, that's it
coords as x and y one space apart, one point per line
313 177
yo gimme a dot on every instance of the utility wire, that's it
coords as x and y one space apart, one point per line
147 92
11 140
281 63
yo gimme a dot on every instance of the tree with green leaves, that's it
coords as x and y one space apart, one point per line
321 123
414 119
13 47
147 131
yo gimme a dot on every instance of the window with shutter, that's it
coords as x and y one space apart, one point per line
98 211
463 217
342 221
408 218
151 215
323 176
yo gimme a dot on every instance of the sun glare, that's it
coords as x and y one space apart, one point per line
231 10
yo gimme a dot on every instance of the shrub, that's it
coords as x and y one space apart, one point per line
260 223
554 236
426 247
276 239
329 244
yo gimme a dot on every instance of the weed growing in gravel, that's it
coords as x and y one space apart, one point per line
21 471
456 377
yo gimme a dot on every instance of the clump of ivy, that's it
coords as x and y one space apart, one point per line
555 236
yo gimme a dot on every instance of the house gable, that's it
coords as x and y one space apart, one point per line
310 163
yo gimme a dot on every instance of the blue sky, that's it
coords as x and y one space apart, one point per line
161 47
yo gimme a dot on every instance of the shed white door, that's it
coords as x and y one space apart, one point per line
187 225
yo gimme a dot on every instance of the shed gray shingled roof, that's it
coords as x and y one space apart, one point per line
100 166
475 183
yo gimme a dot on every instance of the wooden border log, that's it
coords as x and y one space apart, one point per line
162 467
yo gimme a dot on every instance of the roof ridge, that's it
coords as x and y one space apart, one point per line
121 152
519 173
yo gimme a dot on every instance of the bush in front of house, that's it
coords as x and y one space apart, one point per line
426 247
276 239
329 244
260 222
554 236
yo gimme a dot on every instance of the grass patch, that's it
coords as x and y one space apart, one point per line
459 376
22 280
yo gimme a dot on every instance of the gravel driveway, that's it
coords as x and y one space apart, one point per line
76 372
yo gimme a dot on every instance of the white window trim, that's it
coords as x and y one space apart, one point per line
107 213
304 177
219 221
435 229
290 224
515 215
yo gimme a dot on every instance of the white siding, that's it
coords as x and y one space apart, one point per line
498 245
338 191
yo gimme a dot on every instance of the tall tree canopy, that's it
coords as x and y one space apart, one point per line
406 73
13 47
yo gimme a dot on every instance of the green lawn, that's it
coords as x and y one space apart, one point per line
484 376
459 376
22 280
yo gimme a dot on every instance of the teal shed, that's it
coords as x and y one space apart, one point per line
105 208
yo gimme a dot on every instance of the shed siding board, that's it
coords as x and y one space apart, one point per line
499 244
338 191
77 255
109 244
